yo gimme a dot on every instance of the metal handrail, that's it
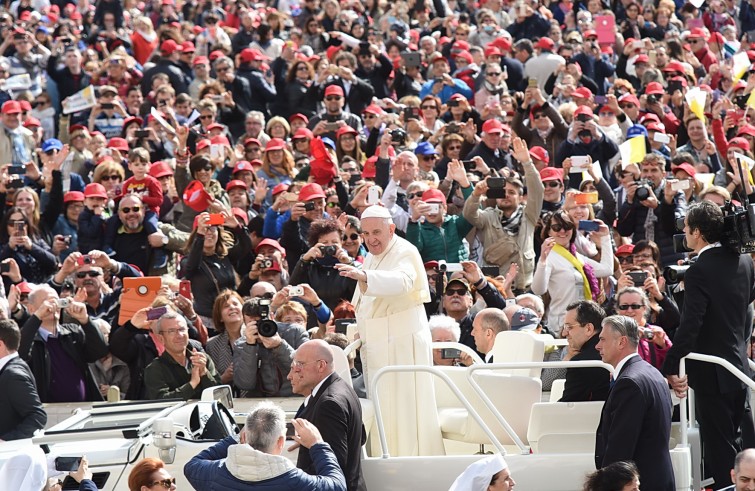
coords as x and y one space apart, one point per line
352 347
517 365
463 347
434 371
683 420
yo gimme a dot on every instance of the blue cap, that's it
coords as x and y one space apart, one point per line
52 144
425 148
329 142
636 130
44 29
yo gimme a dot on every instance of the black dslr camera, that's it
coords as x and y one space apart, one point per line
644 189
266 327
329 250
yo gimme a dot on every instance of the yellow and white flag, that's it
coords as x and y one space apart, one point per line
695 98
81 100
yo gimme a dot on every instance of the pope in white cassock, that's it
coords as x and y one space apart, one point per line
393 327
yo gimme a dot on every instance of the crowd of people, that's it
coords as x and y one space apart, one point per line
535 162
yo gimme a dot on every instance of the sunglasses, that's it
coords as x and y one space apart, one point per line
633 306
456 291
493 74
429 157
333 98
110 178
127 209
166 483
350 237
426 108
331 204
418 194
83 274
206 116
453 148
556 227
369 116
206 168
552 184
539 116
626 259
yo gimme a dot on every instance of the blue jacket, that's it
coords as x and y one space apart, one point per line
208 471
459 87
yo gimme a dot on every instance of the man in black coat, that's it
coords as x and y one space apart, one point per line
582 326
636 420
718 287
21 411
332 406
167 64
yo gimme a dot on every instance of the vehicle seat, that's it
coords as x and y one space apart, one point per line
564 427
518 346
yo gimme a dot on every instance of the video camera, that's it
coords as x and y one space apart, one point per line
739 227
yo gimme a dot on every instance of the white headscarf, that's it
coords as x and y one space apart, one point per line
477 476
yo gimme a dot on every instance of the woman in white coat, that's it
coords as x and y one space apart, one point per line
565 274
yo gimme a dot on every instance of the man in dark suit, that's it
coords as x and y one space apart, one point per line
21 412
636 420
332 406
582 326
718 287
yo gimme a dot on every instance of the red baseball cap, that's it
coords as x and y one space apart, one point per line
235 183
346 130
552 174
169 47
310 191
373 109
32 122
698 32
11 107
540 153
641 59
545 43
249 55
333 89
118 143
200 60
160 169
203 143
242 165
298 116
271 243
275 144
433 196
686 167
72 196
654 88
304 134
583 110
492 126
249 141
582 92
739 142
630 98
279 188
95 190
625 250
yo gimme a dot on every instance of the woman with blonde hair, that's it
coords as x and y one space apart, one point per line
144 39
278 127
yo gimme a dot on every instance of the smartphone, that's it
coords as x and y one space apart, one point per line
638 44
291 197
454 267
20 228
141 133
67 464
638 277
453 127
469 165
4 267
16 182
580 161
450 353
343 324
17 170
332 126
531 83
107 105
216 219
680 185
495 188
600 99
156 313
290 432
674 85
184 289
86 259
434 208
217 151
586 198
492 101
411 113
373 196
589 225
661 137
296 291
491 271
411 59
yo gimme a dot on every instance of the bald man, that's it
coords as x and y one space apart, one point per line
332 406
743 473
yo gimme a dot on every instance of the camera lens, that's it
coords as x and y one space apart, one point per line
267 328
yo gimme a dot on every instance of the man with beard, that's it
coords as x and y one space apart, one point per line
327 123
132 244
513 240
91 276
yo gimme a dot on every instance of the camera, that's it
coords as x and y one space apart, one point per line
296 291
309 206
648 334
67 240
644 189
63 303
652 99
675 274
739 227
266 263
329 250
398 136
266 327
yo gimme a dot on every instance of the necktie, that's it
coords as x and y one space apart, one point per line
611 382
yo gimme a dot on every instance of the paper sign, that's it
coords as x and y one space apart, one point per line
697 3
192 117
605 27
632 151
17 82
751 100
80 101
746 160
695 98
741 63
706 179
159 118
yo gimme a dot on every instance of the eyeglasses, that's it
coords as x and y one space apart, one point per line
429 157
166 483
206 116
333 98
454 148
127 209
569 327
493 74
456 291
539 116
552 184
427 108
556 227
625 259
173 332
350 237
110 178
626 106
298 365
302 68
83 274
633 306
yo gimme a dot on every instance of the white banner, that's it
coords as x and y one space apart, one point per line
80 101
17 82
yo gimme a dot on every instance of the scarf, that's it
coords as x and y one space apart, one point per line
590 287
511 224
